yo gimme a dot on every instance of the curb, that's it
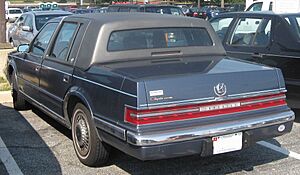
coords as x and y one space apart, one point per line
5 97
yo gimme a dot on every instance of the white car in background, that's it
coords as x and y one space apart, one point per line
12 14
277 6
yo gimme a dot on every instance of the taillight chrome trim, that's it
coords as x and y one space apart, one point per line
196 111
209 99
265 100
164 113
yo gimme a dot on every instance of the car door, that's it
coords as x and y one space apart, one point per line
27 36
57 67
249 38
29 71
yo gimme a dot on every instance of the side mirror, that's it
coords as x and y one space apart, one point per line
27 28
23 48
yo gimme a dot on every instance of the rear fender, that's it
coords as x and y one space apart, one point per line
84 98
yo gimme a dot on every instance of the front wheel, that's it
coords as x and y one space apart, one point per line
18 101
90 150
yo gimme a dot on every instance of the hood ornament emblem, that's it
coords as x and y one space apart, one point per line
220 89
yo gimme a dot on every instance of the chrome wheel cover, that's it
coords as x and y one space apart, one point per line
82 134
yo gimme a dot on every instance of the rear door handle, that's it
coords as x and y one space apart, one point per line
257 55
37 68
66 79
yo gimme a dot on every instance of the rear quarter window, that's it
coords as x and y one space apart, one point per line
158 38
294 25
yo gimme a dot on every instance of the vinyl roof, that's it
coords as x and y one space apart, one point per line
50 12
133 16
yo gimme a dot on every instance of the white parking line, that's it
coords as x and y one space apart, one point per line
280 150
10 164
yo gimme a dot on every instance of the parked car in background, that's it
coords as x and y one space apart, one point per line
194 12
12 14
184 8
28 25
153 86
123 8
277 6
162 9
267 38
102 10
81 11
234 7
208 12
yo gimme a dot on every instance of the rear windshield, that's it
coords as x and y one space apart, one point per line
15 11
158 38
42 19
164 10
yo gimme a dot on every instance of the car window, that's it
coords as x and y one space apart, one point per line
220 25
251 32
63 41
294 25
298 27
21 20
15 11
164 10
29 21
40 20
158 38
175 11
255 7
41 42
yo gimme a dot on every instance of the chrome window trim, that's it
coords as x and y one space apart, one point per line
57 70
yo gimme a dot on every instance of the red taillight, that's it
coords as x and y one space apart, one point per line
168 114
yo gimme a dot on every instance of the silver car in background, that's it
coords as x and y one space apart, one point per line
27 25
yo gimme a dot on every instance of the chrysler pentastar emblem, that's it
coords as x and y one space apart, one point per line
220 89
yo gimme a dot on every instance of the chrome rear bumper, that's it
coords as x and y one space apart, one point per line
165 137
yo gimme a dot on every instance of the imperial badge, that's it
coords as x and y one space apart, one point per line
220 89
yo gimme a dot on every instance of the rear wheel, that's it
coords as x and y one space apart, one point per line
18 100
90 150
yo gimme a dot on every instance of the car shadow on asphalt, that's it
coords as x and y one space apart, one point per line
31 153
245 160
59 127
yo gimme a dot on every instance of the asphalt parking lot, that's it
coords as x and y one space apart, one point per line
33 143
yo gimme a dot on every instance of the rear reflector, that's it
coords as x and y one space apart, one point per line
168 114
